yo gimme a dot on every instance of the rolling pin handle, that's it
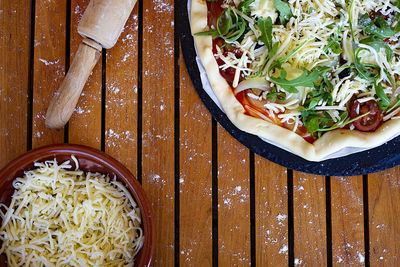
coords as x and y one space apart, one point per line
65 99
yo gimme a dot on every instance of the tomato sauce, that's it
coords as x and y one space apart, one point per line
229 73
253 110
214 10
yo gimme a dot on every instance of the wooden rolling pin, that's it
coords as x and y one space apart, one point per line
101 25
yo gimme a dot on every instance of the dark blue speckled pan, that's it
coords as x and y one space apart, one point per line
374 160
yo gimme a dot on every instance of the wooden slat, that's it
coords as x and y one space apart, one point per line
14 69
309 220
347 221
384 210
271 213
49 66
121 95
195 176
233 201
158 122
85 123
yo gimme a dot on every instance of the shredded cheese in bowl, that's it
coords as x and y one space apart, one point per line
60 217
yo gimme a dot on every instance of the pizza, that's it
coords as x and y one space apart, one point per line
314 76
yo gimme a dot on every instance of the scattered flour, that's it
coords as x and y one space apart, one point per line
283 250
297 261
361 257
162 6
47 63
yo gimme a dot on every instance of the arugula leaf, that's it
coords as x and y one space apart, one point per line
233 26
377 44
306 79
334 42
384 101
311 120
274 95
315 121
389 77
212 33
271 53
294 51
323 71
265 27
331 26
230 26
336 48
379 29
225 21
322 91
366 71
351 18
280 61
326 123
397 17
396 104
397 27
342 122
316 97
382 23
285 13
334 45
312 103
244 6
321 122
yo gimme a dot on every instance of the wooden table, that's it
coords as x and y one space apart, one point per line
214 201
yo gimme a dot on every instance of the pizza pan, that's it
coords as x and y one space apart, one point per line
377 159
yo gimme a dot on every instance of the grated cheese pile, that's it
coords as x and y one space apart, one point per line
61 217
312 25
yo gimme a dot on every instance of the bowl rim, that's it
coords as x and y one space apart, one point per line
107 161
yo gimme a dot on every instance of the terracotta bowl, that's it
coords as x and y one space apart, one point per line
89 160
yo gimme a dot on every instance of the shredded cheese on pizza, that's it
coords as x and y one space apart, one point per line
356 43
62 217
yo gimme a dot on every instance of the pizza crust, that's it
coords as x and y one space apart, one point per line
328 144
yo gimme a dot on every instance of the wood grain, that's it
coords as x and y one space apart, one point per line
49 66
85 123
384 210
347 221
233 201
309 219
271 213
121 95
195 177
158 123
14 78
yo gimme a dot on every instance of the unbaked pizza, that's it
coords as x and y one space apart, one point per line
314 76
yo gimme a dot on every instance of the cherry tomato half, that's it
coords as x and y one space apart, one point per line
370 122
